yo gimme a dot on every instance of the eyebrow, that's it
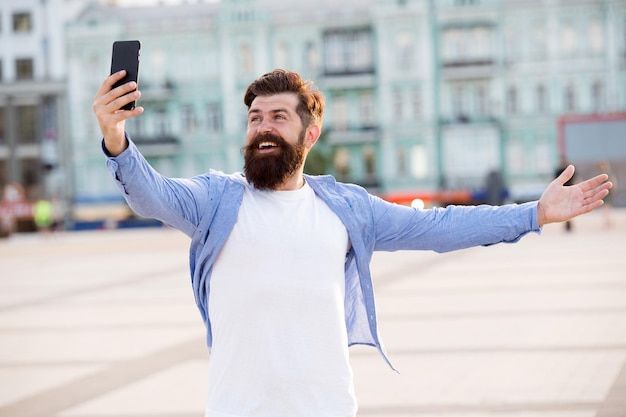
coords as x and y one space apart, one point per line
274 111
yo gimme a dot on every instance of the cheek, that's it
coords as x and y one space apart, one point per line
250 133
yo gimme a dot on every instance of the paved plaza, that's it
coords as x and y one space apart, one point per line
103 324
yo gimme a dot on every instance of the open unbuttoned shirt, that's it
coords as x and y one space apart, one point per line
205 208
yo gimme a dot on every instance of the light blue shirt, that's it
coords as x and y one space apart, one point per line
205 208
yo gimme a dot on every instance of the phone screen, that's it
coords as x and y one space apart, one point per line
126 57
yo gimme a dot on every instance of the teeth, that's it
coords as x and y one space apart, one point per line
263 145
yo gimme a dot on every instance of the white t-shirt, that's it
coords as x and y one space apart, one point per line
280 346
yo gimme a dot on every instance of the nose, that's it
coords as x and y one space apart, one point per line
264 126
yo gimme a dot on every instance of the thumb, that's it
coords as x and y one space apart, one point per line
566 175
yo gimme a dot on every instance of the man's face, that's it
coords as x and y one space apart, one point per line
275 141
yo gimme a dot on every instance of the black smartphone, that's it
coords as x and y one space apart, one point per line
126 57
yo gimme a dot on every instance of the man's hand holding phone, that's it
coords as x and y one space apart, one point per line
108 105
118 94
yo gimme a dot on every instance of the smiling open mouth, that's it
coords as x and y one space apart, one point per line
267 145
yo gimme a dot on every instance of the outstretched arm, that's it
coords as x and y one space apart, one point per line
560 203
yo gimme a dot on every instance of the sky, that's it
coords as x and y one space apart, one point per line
153 2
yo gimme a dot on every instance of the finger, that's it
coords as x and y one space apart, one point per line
109 81
595 181
566 175
127 114
122 114
106 95
594 193
590 207
603 185
118 103
114 100
122 91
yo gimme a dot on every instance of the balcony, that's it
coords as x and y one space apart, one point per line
161 145
361 135
153 92
466 68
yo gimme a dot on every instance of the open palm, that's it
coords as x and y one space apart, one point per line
559 202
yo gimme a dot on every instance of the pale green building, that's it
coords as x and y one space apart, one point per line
421 95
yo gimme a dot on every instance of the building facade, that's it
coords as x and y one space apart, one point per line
32 92
34 139
421 95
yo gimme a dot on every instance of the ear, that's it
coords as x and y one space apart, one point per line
312 135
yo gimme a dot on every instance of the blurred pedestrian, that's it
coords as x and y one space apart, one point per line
496 190
279 260
43 215
563 164
607 207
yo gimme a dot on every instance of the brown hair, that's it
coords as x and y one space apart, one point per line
310 101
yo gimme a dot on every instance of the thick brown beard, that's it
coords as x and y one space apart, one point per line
269 171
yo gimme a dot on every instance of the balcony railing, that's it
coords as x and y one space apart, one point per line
160 145
360 135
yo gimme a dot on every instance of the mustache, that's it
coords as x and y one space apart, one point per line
264 137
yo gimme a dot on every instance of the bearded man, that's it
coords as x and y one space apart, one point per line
279 260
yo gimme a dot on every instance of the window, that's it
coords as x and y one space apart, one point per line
189 119
370 161
569 40
26 117
459 111
481 42
214 118
416 97
360 57
541 99
539 44
597 96
334 56
162 124
453 45
398 105
481 100
341 163
340 113
348 51
570 98
24 69
366 109
624 43
311 56
596 38
512 43
22 22
401 162
419 161
246 61
511 100
282 55
467 45
404 51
